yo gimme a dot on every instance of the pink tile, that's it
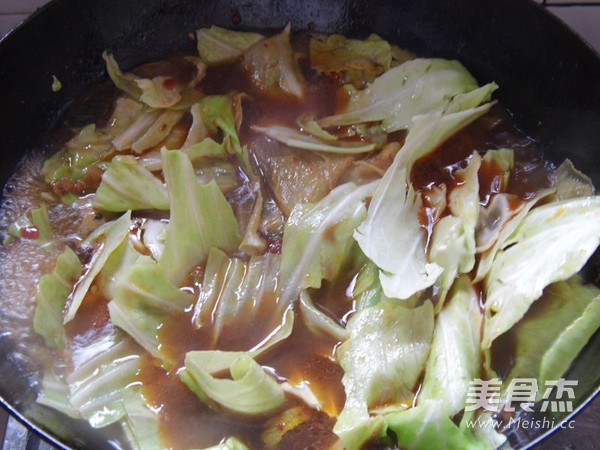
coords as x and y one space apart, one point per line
9 21
552 2
585 20
20 6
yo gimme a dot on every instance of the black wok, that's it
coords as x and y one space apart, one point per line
549 79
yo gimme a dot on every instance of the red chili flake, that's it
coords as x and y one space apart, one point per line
170 83
29 232
236 19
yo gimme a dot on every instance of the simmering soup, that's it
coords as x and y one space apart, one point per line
296 241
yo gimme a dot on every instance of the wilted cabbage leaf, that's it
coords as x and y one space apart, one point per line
551 244
201 218
317 238
452 244
419 86
455 351
102 371
53 291
233 288
141 422
358 61
250 391
391 235
382 360
158 92
127 185
272 67
557 328
218 45
107 238
294 138
427 427
144 298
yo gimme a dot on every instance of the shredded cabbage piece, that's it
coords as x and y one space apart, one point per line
296 139
455 355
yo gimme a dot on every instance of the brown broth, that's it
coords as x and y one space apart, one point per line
92 317
492 131
305 356
264 111
185 421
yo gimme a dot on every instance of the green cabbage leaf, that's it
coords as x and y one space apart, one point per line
317 238
294 138
107 238
143 299
127 185
201 218
53 292
101 372
218 45
391 235
357 61
272 67
552 243
318 322
250 391
233 290
427 427
141 423
54 393
419 86
382 360
453 241
159 92
455 351
555 330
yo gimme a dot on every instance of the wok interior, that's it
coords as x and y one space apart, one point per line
548 79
